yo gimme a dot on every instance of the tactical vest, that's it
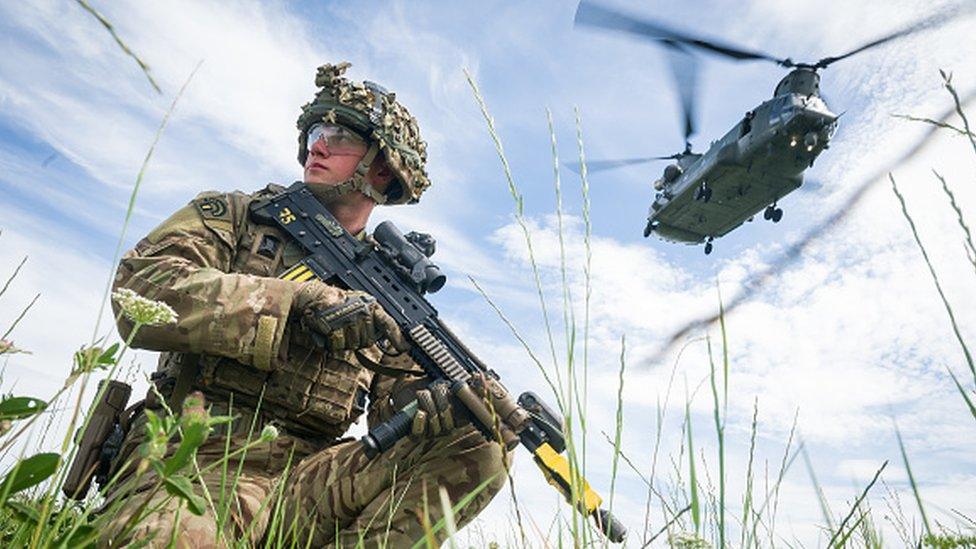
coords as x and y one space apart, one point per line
312 394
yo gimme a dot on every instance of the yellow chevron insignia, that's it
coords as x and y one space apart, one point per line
299 273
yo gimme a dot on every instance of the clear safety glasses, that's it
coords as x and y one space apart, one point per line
338 140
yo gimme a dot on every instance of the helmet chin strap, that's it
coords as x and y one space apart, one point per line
358 182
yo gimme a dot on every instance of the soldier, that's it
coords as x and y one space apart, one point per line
244 339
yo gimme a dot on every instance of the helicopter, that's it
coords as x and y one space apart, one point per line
703 196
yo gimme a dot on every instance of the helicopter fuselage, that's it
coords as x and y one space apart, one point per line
759 161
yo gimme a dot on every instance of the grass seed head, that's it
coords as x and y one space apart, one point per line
269 433
688 540
8 348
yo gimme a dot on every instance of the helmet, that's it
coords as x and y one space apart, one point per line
375 114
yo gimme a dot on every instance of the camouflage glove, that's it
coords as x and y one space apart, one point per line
435 416
343 320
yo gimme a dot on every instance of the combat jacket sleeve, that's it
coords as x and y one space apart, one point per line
186 263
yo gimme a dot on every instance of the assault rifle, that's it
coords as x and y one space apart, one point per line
397 273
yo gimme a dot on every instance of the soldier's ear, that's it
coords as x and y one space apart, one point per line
382 168
380 172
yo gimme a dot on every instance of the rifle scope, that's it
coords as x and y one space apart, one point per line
411 253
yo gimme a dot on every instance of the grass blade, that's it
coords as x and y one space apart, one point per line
970 247
935 277
857 504
520 218
824 506
911 480
619 421
748 534
111 30
692 474
962 391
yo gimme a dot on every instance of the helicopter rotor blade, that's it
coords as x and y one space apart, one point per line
684 68
601 165
595 15
937 19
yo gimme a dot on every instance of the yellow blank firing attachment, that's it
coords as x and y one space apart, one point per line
556 470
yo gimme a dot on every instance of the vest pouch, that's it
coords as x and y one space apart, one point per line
334 391
226 375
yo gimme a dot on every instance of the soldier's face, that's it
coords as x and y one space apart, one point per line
331 167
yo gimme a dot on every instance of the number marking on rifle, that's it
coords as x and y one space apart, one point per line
286 216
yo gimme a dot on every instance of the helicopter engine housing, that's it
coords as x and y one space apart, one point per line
802 81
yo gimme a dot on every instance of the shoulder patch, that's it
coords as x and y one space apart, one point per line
212 207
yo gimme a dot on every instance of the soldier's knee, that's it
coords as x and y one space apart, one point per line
165 527
473 469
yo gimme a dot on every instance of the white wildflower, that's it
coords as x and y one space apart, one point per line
142 310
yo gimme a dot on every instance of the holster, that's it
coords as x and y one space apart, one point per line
100 441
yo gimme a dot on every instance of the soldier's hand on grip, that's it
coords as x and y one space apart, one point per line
344 320
435 415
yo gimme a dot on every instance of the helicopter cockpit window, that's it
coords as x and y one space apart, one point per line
783 109
816 104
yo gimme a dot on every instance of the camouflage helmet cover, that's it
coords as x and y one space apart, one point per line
375 113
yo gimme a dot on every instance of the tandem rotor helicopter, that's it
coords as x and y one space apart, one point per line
703 196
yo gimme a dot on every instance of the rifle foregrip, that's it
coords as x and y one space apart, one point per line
382 437
611 527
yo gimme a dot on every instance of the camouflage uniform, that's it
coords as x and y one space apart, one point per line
218 270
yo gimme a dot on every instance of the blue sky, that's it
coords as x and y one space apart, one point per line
850 335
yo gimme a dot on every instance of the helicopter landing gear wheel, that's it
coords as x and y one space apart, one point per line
768 213
777 215
708 246
648 228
